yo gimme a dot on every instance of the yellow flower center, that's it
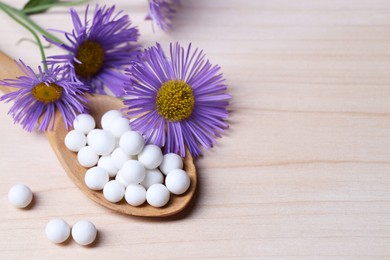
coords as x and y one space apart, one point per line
175 100
45 93
91 56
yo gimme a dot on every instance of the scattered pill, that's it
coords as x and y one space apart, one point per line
119 126
57 230
87 156
157 195
103 142
177 181
84 232
106 163
151 156
84 123
170 162
131 142
152 177
20 196
75 140
95 178
114 191
133 171
135 194
108 118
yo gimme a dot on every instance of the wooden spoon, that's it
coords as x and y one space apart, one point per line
98 105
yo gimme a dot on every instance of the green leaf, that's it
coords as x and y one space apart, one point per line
29 7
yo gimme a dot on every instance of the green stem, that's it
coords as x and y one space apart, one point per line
30 22
38 28
10 14
44 7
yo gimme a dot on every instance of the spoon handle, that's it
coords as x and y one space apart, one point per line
8 70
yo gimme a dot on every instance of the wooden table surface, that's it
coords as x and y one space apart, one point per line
303 171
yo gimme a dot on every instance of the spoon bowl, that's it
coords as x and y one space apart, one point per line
98 105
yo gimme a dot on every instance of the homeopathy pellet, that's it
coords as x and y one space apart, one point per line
157 195
84 232
57 230
84 123
177 181
20 195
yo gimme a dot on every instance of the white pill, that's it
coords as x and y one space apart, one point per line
75 140
95 178
119 178
20 195
133 171
135 194
84 123
57 230
131 142
177 181
151 156
106 163
103 142
119 157
91 135
152 177
87 157
114 191
157 195
119 126
170 162
108 118
84 232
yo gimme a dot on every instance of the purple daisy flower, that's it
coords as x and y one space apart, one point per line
180 100
100 50
40 95
161 12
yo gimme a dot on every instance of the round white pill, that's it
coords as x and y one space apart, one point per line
84 232
103 142
177 181
20 196
119 126
87 157
91 135
119 157
151 156
131 142
152 177
114 191
106 163
95 178
135 194
84 123
133 171
57 230
108 118
75 140
157 195
119 178
170 162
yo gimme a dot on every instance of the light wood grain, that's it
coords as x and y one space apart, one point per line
303 172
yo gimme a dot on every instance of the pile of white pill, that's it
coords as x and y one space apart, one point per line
122 165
